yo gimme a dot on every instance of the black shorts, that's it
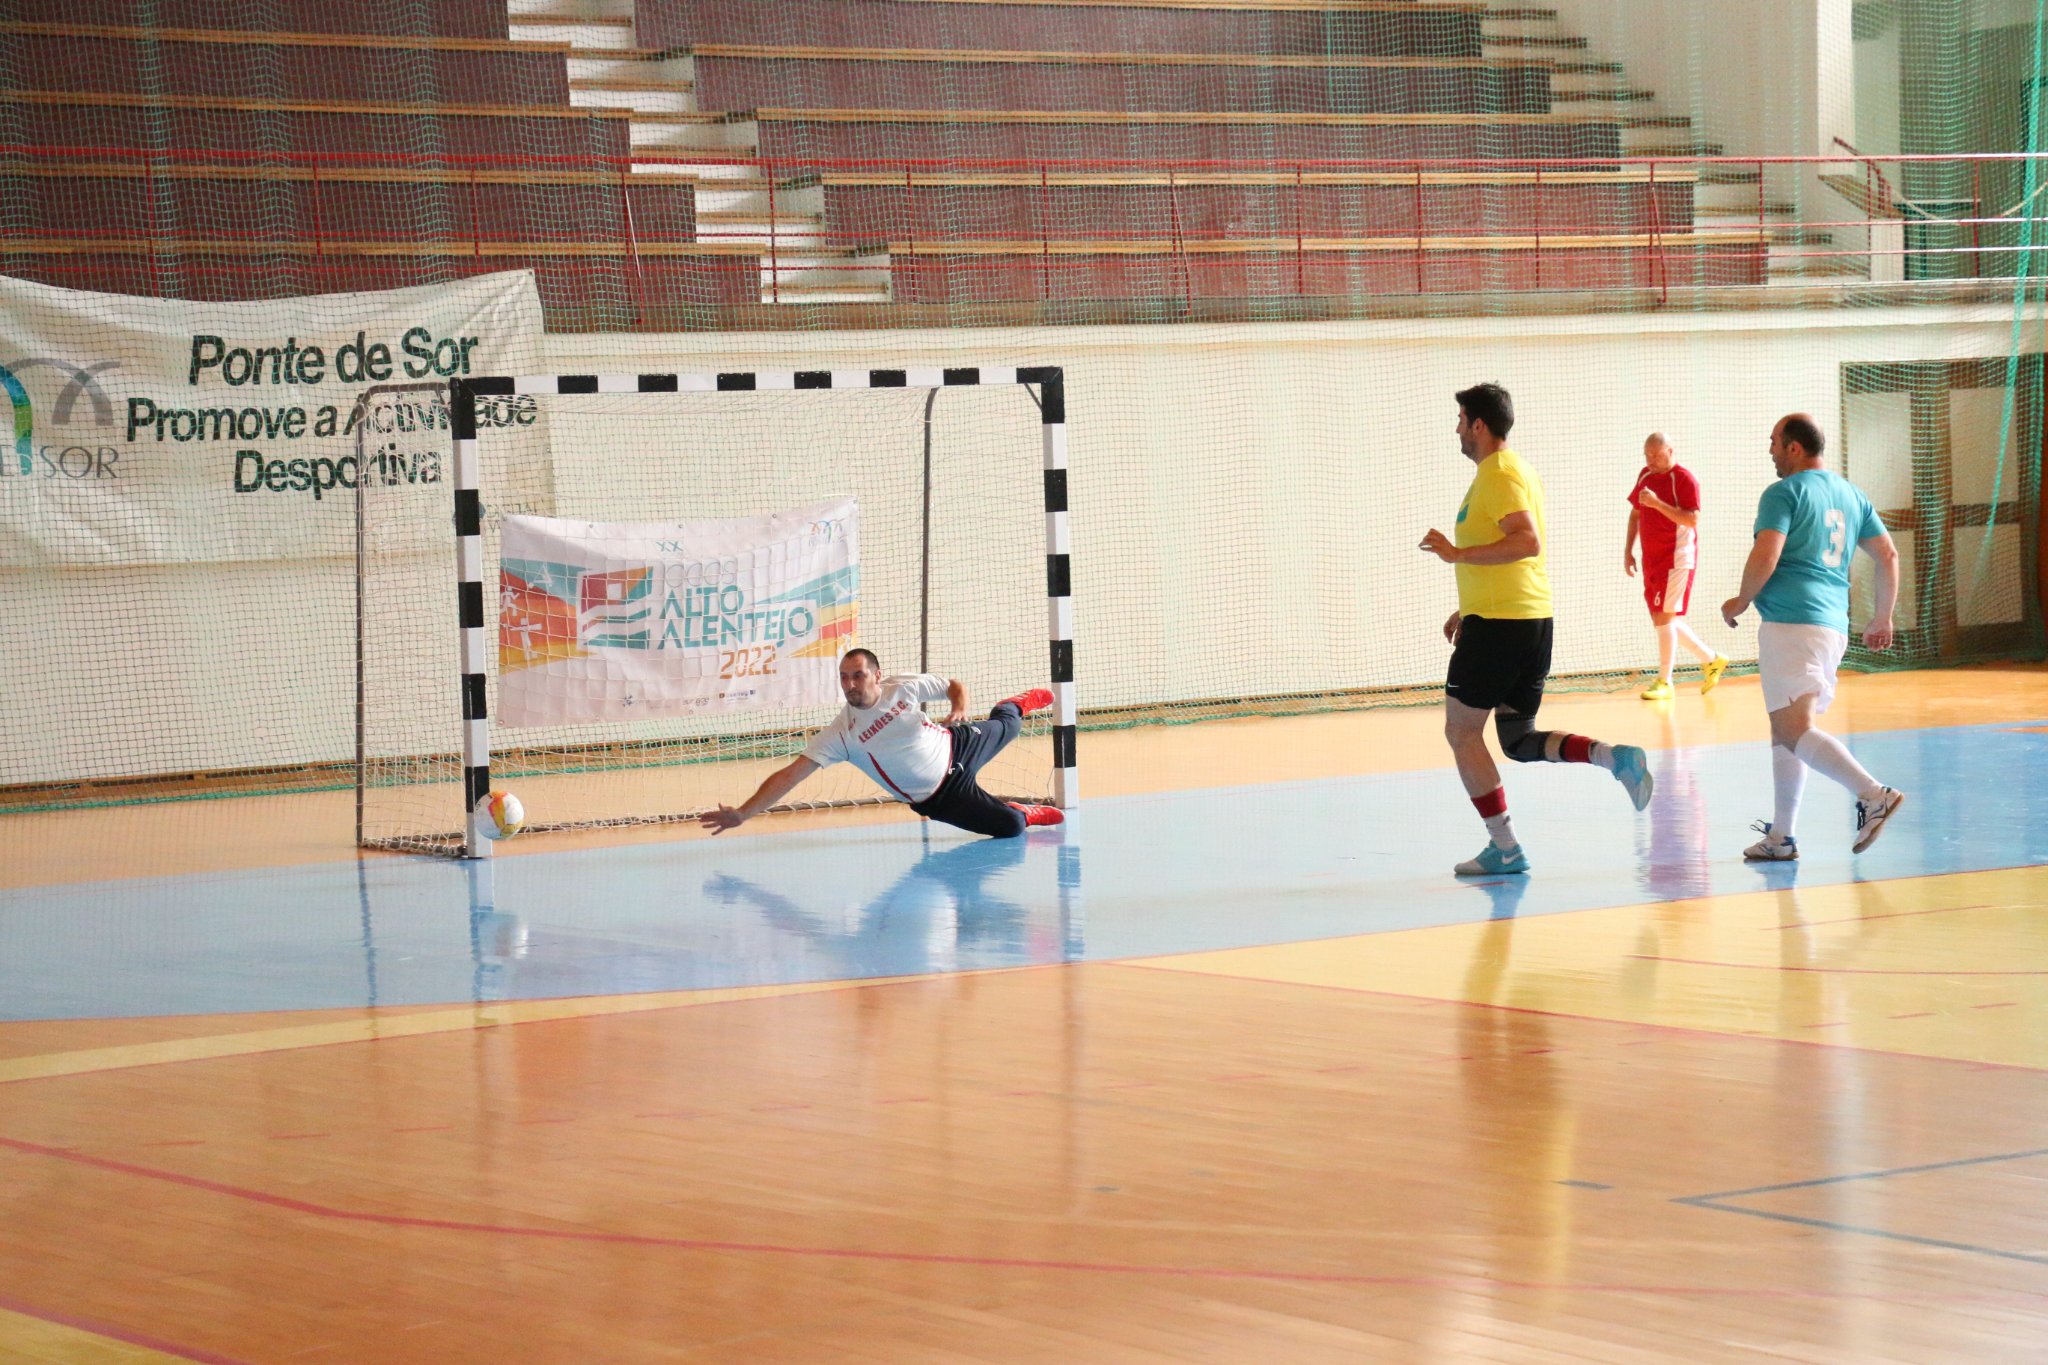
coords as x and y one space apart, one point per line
1500 663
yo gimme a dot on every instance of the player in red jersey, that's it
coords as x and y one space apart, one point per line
1664 511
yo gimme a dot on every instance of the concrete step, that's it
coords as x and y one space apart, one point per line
570 10
674 134
1737 204
840 275
793 294
1674 150
789 233
1806 272
1599 95
599 64
606 33
751 198
639 95
1522 43
740 174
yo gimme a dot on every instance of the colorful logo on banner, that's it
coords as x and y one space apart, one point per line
549 612
24 421
606 621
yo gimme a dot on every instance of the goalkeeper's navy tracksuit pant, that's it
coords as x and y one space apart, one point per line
960 801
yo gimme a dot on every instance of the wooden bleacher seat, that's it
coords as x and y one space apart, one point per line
961 271
1207 202
72 118
791 137
739 77
1139 82
441 18
583 286
112 198
303 66
1388 27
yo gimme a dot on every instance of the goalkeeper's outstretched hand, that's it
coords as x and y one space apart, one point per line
720 820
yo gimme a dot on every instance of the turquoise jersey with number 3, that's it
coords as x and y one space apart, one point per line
1822 516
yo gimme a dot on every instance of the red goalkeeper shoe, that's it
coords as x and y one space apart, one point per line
1037 699
1040 815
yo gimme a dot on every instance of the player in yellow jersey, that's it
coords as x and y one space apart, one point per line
1501 633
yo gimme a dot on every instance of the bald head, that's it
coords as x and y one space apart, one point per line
1658 455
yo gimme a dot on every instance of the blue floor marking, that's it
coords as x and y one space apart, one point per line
1721 1203
1126 877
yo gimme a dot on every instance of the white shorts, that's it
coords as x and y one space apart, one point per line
1795 660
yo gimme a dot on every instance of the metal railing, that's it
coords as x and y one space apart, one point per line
956 233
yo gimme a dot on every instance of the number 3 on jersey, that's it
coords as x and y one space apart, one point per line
1838 536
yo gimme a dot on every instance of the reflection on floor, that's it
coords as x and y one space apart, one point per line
1212 1072
1133 876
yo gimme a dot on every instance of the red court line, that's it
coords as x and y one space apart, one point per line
115 1333
1866 919
1830 971
587 1235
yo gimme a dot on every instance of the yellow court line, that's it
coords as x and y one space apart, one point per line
413 1025
38 1341
1951 966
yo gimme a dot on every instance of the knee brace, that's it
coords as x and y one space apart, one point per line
1519 738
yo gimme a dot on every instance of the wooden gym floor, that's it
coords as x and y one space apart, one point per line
1226 1069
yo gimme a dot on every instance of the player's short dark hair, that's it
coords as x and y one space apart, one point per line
867 654
1807 433
1489 403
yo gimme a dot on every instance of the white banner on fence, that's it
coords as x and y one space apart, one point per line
616 621
151 431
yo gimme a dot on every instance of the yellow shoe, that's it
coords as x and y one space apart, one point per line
1659 690
1711 671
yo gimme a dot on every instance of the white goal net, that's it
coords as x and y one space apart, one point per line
639 691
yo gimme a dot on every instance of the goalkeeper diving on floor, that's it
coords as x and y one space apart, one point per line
932 766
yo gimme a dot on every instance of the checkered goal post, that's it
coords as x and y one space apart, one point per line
640 610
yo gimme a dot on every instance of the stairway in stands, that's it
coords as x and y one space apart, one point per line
783 213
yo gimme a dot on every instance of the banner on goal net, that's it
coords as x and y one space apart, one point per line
611 621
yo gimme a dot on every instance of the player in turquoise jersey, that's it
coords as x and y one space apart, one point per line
1808 525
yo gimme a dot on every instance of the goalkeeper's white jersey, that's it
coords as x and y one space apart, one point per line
892 741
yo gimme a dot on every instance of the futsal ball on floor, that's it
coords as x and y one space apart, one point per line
502 814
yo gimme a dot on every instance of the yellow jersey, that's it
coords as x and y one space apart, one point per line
1503 485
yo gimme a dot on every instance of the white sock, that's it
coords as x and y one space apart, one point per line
1692 642
1788 784
1827 756
1667 648
1503 831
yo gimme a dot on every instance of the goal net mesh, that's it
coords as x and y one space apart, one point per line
958 590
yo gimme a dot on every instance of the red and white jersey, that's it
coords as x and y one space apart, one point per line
892 741
1666 544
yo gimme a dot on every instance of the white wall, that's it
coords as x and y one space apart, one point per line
1246 504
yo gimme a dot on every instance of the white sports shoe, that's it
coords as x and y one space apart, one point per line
1771 849
1872 815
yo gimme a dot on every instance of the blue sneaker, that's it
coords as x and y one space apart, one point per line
1632 771
1493 861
